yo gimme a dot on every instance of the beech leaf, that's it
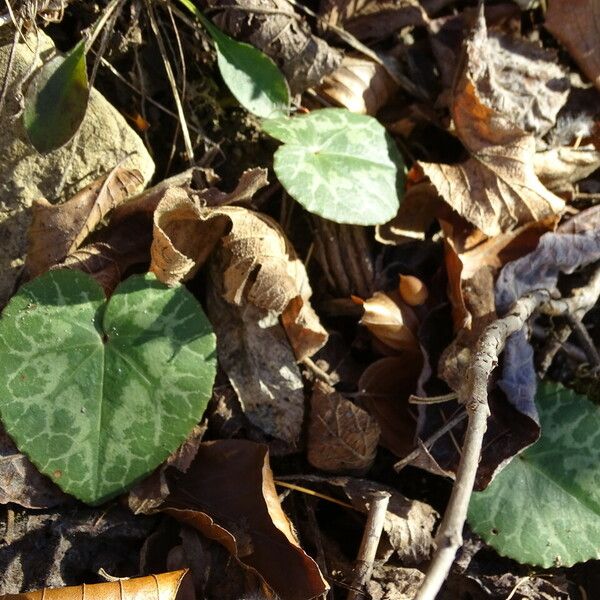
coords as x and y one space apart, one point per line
97 394
56 100
544 507
339 165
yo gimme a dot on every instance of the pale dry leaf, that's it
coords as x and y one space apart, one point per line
559 168
391 321
576 25
341 435
496 189
359 84
56 230
255 353
258 264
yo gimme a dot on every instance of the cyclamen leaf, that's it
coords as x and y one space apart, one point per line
251 76
98 393
56 100
544 507
339 165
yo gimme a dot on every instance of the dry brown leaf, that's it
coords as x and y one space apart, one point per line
359 84
154 587
391 321
58 230
576 25
373 20
229 495
341 435
496 189
255 353
22 483
258 264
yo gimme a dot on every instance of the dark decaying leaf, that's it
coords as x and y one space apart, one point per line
341 435
576 25
57 230
56 100
228 494
22 483
497 188
284 36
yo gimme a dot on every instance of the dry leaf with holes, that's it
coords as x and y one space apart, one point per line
359 84
229 495
391 321
496 189
57 230
341 435
154 587
576 25
259 265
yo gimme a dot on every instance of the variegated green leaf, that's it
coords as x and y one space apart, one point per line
99 393
339 165
544 507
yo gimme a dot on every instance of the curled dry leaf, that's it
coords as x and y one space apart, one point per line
341 435
559 168
359 84
155 587
58 230
495 189
391 321
259 266
412 290
241 511
576 25
22 483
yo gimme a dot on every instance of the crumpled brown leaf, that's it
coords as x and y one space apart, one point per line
496 189
22 483
58 230
228 494
576 25
259 266
163 586
341 435
560 167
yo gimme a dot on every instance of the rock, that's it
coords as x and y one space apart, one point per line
105 140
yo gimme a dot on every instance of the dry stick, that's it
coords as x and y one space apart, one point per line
473 394
363 567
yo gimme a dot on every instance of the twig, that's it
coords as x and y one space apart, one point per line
473 394
363 568
318 372
455 420
585 340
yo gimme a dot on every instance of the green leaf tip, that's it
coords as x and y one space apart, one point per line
544 507
251 76
56 100
98 393
339 165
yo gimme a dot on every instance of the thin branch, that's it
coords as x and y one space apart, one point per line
473 394
363 567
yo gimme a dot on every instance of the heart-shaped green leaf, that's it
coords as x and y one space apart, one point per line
251 76
99 393
339 165
544 507
56 100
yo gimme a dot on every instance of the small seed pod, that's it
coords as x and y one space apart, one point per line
391 321
412 290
